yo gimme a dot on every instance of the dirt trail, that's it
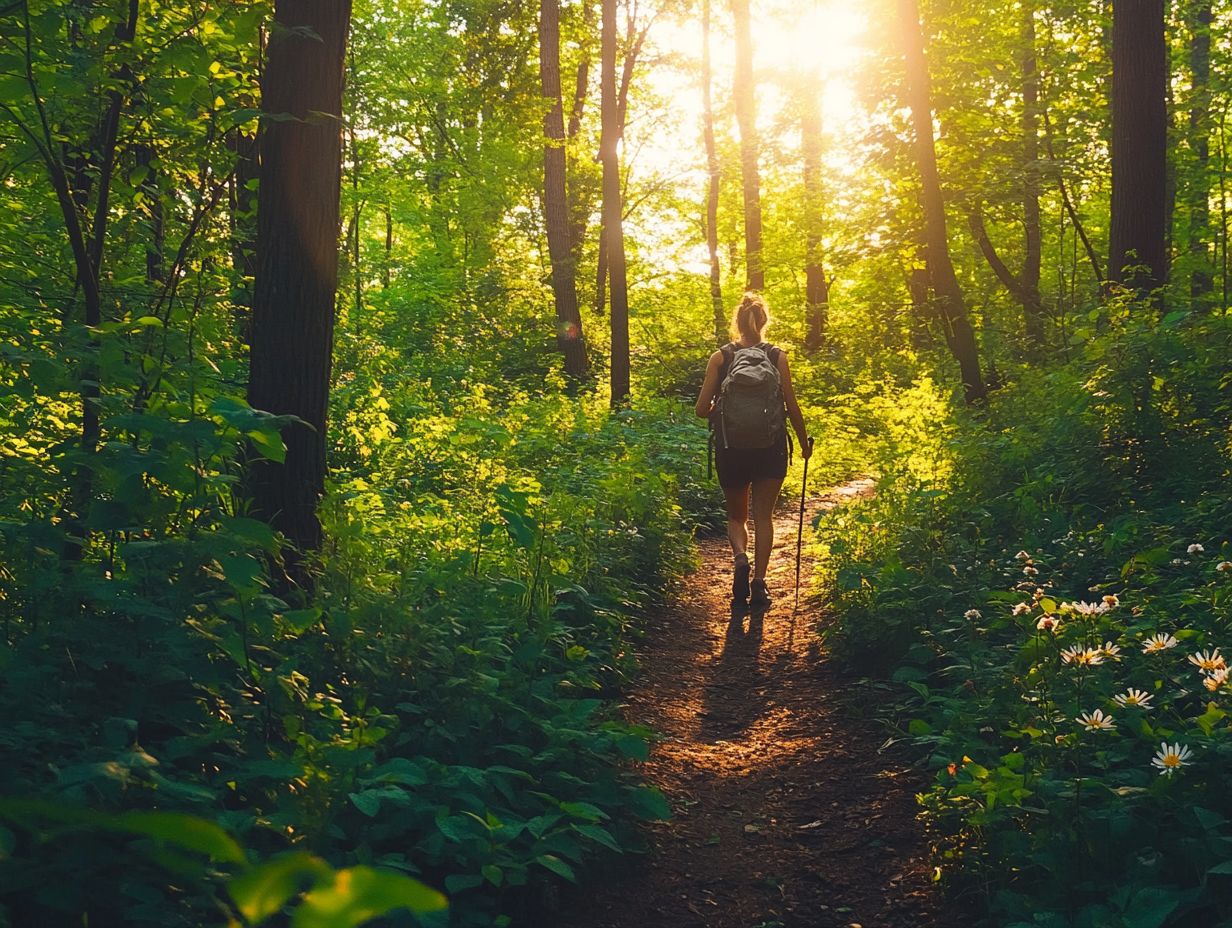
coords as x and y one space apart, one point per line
785 815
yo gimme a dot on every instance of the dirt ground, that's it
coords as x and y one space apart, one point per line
785 812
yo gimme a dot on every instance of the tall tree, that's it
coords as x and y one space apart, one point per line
1139 145
948 295
1199 180
613 207
744 92
816 287
297 255
713 179
555 198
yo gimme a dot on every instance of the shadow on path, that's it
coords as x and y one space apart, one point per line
785 814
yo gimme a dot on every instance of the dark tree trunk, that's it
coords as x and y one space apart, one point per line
744 92
151 189
555 198
297 256
579 199
816 287
613 227
948 295
1199 191
243 203
1139 146
713 179
1032 302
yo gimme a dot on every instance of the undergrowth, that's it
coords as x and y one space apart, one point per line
1048 581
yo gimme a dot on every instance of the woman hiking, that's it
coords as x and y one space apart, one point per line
748 396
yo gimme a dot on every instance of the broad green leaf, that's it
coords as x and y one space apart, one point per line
360 894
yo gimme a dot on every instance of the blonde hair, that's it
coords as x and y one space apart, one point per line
751 317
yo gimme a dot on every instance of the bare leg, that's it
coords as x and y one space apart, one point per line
765 495
737 518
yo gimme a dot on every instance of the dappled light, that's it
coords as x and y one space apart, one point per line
615 463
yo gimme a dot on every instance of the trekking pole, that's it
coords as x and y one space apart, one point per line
800 531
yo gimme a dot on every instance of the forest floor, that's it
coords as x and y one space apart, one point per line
786 813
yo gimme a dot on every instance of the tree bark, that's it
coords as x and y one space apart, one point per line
948 294
1199 189
1139 146
713 180
297 258
613 227
744 92
816 287
1032 302
555 198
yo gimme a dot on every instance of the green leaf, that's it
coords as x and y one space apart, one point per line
265 889
557 866
360 894
185 831
648 803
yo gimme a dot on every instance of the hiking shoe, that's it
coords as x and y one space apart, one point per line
740 580
760 596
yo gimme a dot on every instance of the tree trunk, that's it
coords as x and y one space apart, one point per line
1032 302
744 93
555 199
1199 191
297 258
1139 146
949 298
816 287
713 179
613 228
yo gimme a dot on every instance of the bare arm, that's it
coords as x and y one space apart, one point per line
710 386
793 407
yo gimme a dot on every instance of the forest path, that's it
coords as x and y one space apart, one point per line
785 815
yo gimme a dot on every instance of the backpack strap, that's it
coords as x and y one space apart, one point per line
729 355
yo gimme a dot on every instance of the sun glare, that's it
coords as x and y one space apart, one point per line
820 44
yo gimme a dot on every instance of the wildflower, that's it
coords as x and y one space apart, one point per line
1208 662
1133 699
1110 651
1178 562
1195 549
1224 566
1083 657
1096 721
972 615
1159 642
1111 601
1023 556
1030 571
1215 680
1048 623
1085 609
1171 759
1022 609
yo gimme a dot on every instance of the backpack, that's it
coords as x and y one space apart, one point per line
749 412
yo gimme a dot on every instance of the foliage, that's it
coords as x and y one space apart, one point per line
1089 496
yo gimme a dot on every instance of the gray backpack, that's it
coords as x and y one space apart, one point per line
749 410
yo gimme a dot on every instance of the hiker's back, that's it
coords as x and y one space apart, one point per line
748 411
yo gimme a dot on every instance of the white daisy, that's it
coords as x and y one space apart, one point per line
1215 680
1224 566
1022 609
1170 759
1195 549
1159 642
1096 721
1133 699
972 615
1083 657
1208 662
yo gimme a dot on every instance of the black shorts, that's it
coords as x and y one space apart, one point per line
738 467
